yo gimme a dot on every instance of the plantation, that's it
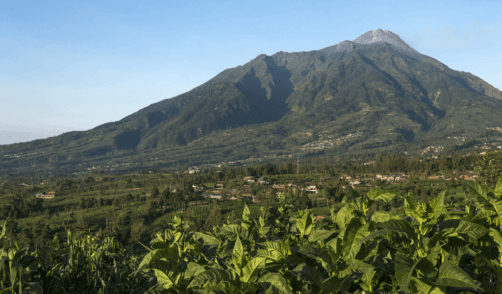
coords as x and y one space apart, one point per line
435 248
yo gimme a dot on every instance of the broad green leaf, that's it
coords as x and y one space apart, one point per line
436 205
159 244
402 268
335 249
332 284
497 238
167 273
477 189
345 214
309 274
308 250
277 281
497 205
193 269
250 271
177 236
320 235
498 188
437 237
383 216
420 286
334 244
410 205
450 225
433 253
354 233
472 230
376 234
452 275
400 226
4 228
425 266
246 217
360 266
233 231
149 257
163 279
367 280
271 254
214 276
238 253
304 224
206 239
436 290
381 195
483 214
281 246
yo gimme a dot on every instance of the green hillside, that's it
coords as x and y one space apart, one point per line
375 94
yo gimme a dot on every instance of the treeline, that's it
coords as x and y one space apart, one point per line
387 163
382 164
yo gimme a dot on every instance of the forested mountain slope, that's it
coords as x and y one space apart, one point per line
372 94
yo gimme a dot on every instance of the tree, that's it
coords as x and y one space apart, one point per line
489 168
215 218
165 196
328 193
12 229
102 190
155 192
82 221
139 232
304 200
116 203
151 207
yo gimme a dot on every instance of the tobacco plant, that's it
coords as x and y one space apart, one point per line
81 264
433 249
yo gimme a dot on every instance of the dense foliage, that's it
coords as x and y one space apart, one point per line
489 167
81 264
118 206
434 249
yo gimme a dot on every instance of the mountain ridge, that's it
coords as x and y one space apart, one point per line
376 86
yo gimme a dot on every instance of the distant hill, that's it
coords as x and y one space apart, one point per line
373 94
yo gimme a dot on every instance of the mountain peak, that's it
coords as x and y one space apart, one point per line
384 36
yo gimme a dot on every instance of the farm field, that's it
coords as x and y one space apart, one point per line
324 231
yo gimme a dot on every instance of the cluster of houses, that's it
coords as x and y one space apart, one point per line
220 191
359 180
369 179
455 176
249 190
49 195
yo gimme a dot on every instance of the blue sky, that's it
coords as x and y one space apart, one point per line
73 65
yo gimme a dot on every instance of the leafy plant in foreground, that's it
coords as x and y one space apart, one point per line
434 249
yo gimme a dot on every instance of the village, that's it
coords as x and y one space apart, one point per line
256 188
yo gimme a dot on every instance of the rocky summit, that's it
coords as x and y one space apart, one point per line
374 94
380 36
